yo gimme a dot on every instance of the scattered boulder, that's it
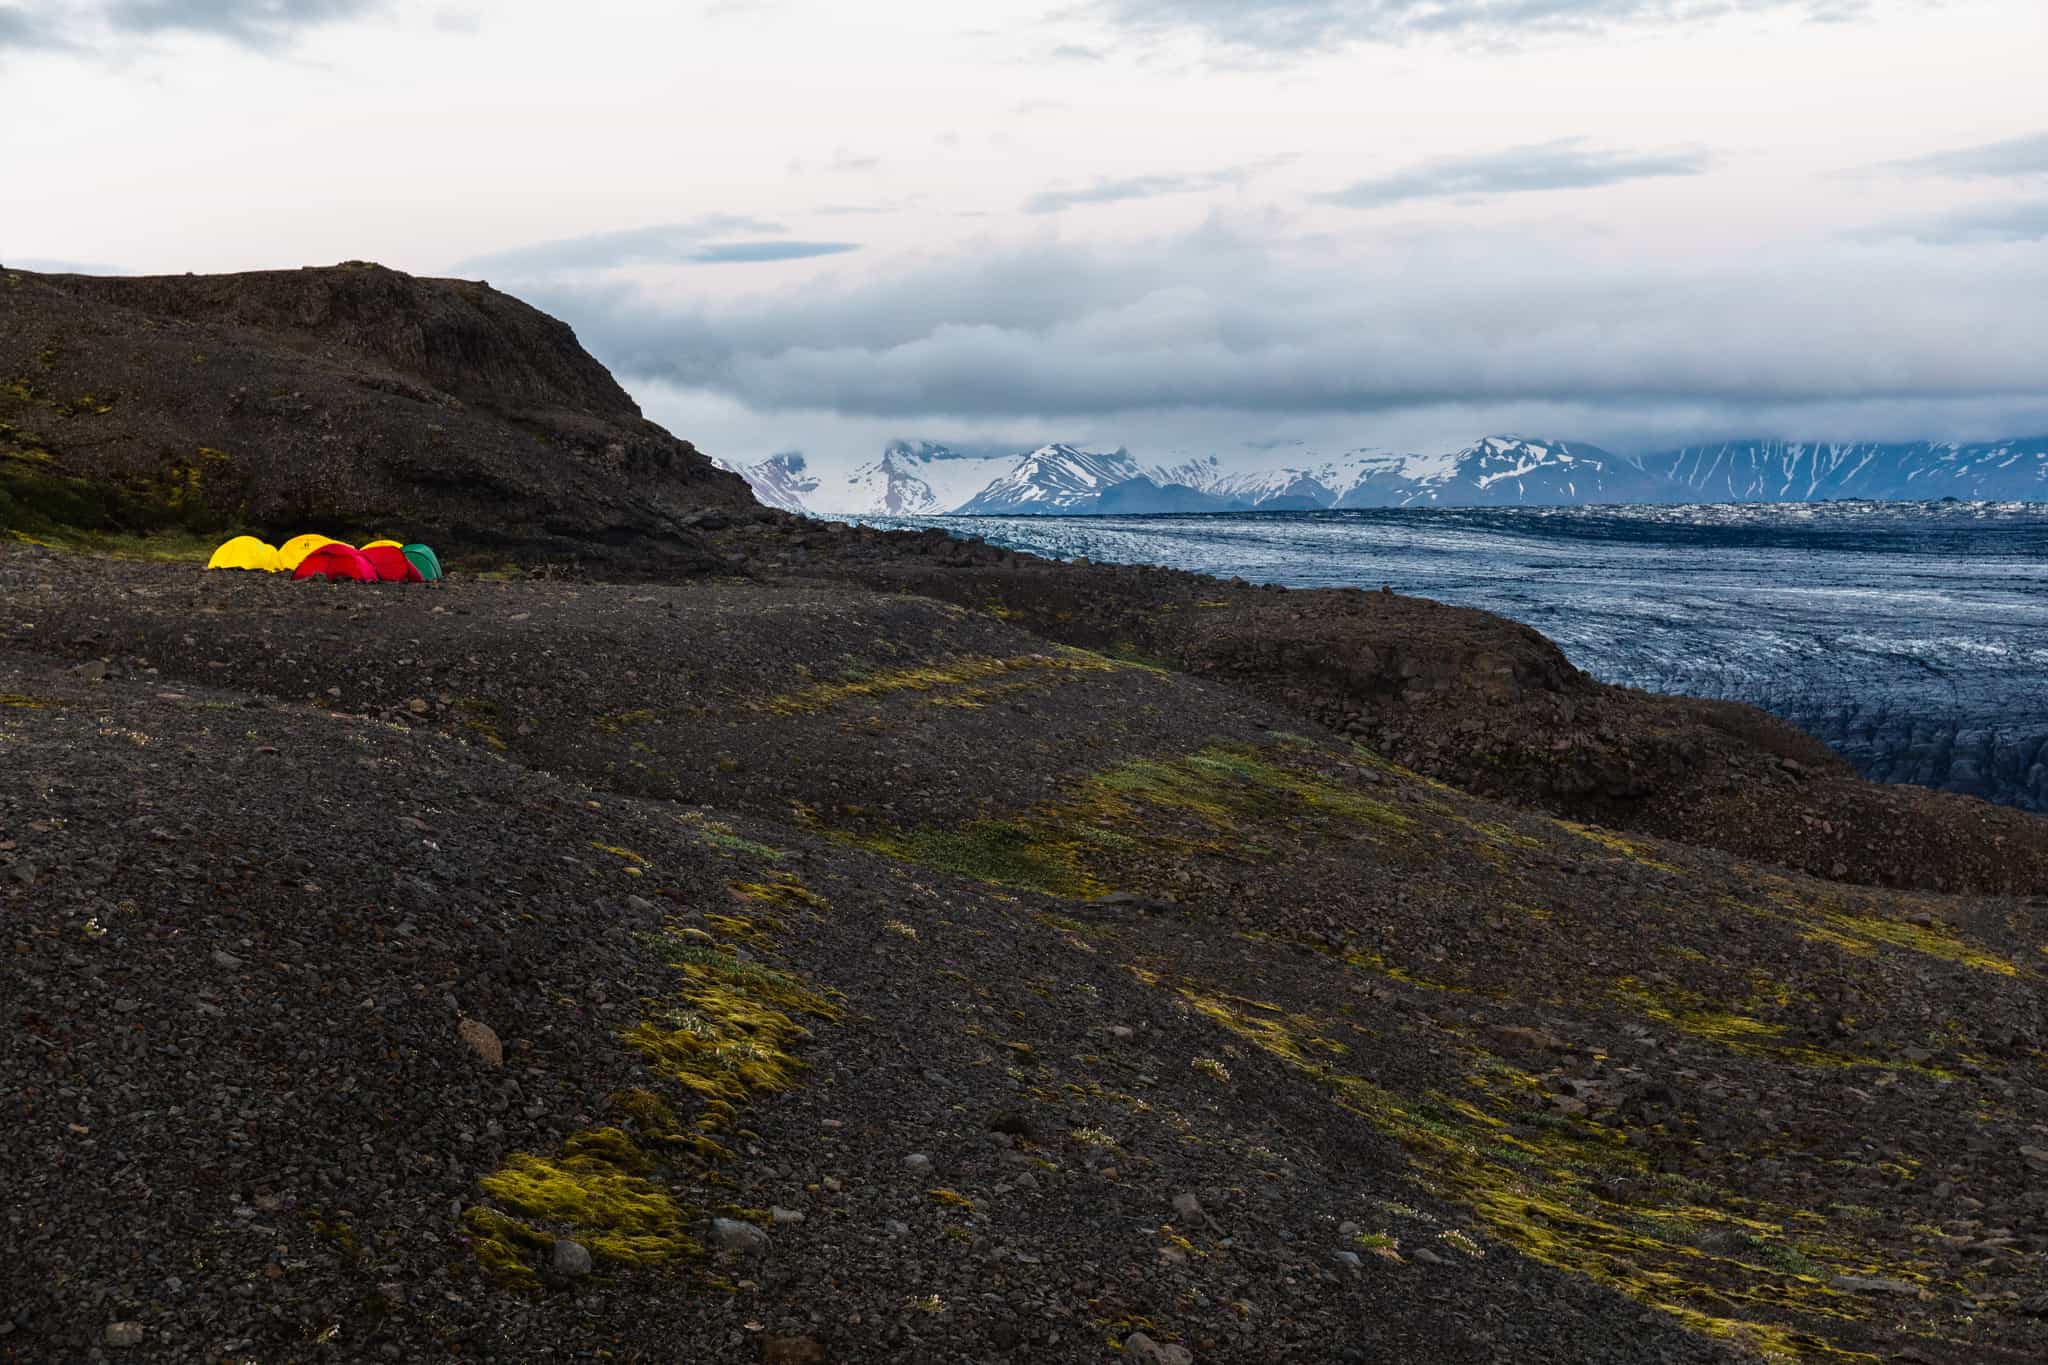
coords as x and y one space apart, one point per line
481 1039
1011 1122
124 1335
1530 1037
743 1239
1873 1284
1142 1348
571 1260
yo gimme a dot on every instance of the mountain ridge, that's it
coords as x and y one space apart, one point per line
1061 479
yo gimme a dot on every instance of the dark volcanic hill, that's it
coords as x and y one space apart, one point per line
350 399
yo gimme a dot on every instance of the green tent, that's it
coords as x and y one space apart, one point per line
425 560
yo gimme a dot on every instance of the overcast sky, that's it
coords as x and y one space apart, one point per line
1184 226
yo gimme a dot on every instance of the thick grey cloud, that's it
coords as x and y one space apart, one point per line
700 242
1137 187
38 26
2013 157
1295 26
2023 221
1567 164
253 23
1213 322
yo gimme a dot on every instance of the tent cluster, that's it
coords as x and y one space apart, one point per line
330 560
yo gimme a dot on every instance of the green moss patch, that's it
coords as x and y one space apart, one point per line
730 1035
596 1191
1587 1199
1214 801
41 500
942 677
733 1032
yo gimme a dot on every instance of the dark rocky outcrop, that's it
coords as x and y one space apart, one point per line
347 399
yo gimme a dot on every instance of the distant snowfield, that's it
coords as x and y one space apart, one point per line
925 478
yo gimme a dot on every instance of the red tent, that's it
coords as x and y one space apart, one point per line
391 564
336 563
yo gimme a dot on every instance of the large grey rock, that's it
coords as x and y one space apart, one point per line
1142 1348
571 1259
730 1234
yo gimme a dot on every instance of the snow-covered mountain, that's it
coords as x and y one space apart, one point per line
1498 469
912 478
1287 488
783 481
922 478
1516 470
1779 471
918 478
1054 479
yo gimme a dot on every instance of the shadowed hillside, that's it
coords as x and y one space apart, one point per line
347 398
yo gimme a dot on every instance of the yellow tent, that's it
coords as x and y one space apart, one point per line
396 545
298 547
245 552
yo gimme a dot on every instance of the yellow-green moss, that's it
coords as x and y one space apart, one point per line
1869 929
1493 829
504 1247
596 1191
1688 1014
740 929
732 1034
951 1199
482 718
723 837
929 677
784 889
1076 844
1580 1197
1225 783
1005 852
729 1036
650 1113
1608 840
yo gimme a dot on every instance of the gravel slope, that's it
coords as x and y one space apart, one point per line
1112 1008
